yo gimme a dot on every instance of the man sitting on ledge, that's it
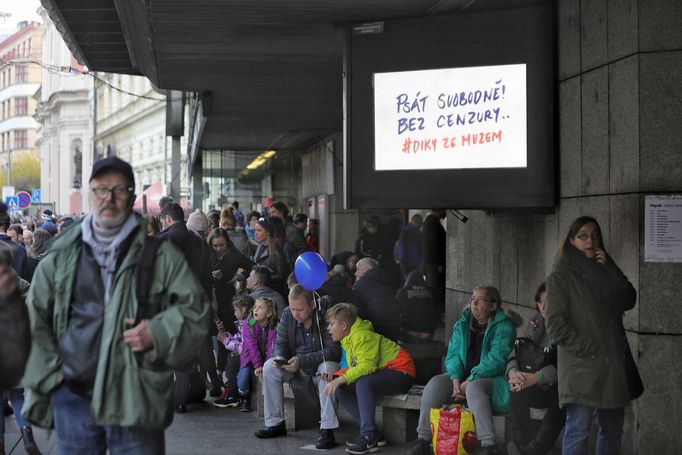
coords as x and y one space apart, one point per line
309 354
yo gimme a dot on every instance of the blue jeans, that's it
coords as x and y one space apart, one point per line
579 423
244 379
79 435
358 397
16 397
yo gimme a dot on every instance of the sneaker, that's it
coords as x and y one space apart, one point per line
227 402
381 441
325 440
272 432
419 447
361 445
245 403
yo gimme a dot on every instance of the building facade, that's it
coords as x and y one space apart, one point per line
131 123
19 81
64 115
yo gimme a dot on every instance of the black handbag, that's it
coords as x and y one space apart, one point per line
530 358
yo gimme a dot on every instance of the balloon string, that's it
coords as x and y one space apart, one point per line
318 307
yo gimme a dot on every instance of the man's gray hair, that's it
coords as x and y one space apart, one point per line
370 263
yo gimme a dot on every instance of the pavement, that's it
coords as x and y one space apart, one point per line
207 430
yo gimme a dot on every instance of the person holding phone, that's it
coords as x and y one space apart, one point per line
304 351
587 295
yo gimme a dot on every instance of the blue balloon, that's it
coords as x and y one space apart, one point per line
310 270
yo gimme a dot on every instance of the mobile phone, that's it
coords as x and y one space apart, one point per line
280 360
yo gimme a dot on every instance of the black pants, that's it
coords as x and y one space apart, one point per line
207 363
536 397
231 370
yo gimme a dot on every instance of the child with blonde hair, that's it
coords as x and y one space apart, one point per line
377 366
258 340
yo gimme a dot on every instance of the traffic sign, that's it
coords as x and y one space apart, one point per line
36 195
24 199
7 191
12 201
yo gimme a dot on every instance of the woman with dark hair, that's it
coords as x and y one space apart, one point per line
269 254
153 225
537 389
37 251
481 341
587 295
227 260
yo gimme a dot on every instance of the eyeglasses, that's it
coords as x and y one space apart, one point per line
478 301
119 192
584 236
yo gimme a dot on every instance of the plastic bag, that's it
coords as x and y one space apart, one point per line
453 431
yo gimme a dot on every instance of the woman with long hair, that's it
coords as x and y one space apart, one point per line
269 254
227 260
587 295
37 251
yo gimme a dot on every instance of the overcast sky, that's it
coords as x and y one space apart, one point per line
20 10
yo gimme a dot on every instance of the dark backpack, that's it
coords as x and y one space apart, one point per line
145 275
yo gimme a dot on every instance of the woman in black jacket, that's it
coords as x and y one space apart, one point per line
227 261
269 254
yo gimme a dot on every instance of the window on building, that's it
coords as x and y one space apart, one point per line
22 74
21 106
20 139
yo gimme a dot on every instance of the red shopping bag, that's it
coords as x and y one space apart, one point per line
453 431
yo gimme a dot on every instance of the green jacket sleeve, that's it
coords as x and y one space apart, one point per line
44 356
454 365
493 362
365 352
559 326
181 327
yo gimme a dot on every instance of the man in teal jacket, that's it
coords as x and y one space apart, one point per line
481 342
99 372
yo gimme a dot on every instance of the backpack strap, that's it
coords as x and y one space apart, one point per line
145 274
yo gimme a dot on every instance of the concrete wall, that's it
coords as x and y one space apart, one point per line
620 128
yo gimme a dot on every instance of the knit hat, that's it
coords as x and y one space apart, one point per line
197 221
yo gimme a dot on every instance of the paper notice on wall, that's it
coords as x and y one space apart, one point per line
663 228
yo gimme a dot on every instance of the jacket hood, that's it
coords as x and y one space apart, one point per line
360 325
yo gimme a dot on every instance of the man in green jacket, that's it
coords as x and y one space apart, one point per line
100 371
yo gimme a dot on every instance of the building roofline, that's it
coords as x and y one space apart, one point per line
18 34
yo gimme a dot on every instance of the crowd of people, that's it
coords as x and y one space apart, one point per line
105 313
